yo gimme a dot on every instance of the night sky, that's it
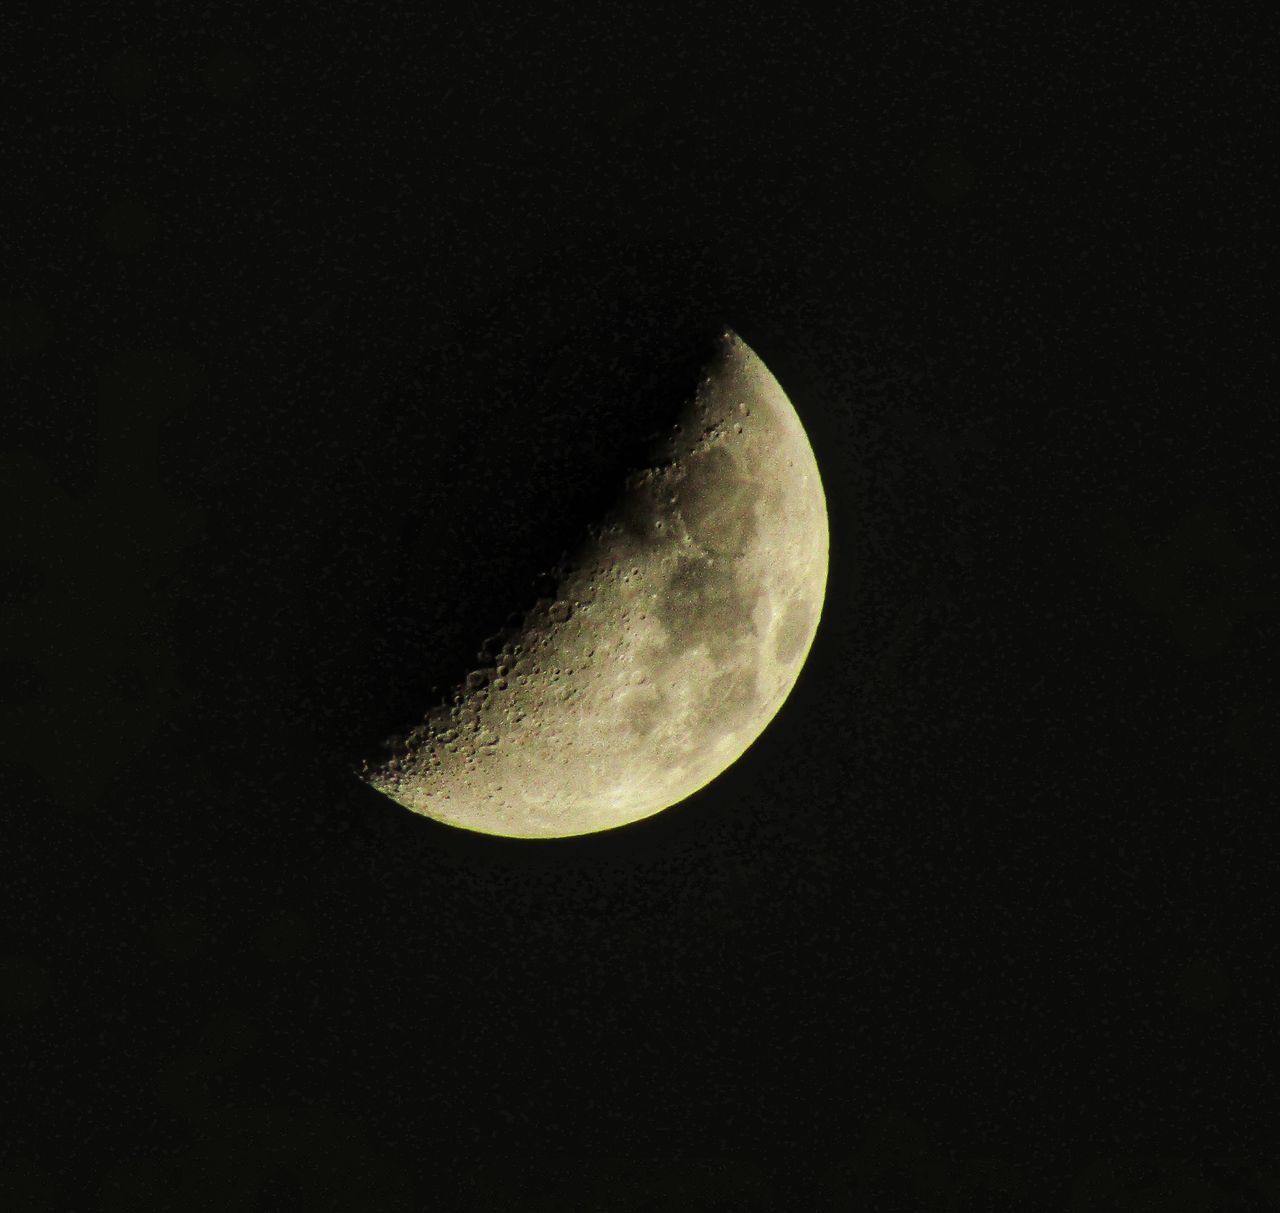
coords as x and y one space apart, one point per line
325 330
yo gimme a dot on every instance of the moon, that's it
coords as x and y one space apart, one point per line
677 630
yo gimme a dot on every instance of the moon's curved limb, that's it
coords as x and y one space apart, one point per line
677 632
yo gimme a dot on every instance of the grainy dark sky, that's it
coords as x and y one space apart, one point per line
325 328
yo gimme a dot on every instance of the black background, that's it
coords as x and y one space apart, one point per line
326 328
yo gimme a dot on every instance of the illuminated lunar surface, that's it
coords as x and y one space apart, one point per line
678 629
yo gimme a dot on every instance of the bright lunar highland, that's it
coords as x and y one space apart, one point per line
678 628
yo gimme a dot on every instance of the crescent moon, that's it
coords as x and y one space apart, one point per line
678 630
